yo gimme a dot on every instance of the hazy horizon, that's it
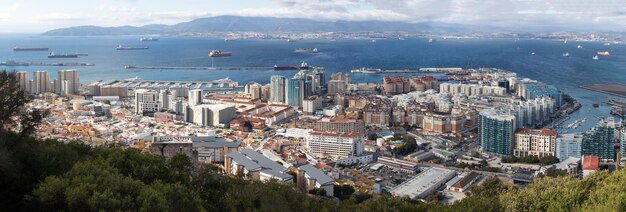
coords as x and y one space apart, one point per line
31 16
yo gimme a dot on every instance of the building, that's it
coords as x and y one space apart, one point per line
164 98
208 149
309 178
311 104
250 164
377 113
496 130
529 142
339 125
277 89
294 91
590 164
569 145
337 145
600 140
393 85
622 139
338 83
146 101
212 114
41 82
361 159
464 182
23 81
423 83
253 89
398 164
433 122
67 82
108 90
266 92
533 91
424 183
271 114
195 97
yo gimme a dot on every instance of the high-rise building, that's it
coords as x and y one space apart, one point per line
622 139
266 92
569 145
146 101
423 83
311 104
337 145
212 114
529 142
338 83
393 85
294 92
67 82
496 129
108 90
532 91
41 82
600 140
338 124
23 80
277 89
254 90
164 98
316 82
195 97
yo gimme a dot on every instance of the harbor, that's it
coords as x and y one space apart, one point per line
420 70
136 83
241 68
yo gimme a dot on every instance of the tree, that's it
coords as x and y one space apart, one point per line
13 111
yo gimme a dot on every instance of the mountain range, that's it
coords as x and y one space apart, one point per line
260 24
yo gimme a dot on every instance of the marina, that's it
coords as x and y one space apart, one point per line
136 83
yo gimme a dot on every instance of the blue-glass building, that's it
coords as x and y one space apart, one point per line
533 91
496 131
294 91
600 140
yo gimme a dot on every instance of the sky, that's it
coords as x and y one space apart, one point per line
34 16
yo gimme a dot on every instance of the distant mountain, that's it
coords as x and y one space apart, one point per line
259 24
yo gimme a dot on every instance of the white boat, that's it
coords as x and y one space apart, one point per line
579 46
400 38
566 54
595 57
607 44
373 41
366 70
565 41
532 53
431 40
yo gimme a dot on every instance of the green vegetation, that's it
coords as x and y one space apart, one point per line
410 145
47 175
531 160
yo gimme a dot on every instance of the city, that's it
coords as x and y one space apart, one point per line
379 115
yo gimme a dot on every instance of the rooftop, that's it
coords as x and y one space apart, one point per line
418 185
316 174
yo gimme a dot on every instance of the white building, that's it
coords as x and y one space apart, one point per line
311 104
250 164
41 82
24 81
310 177
195 97
212 114
146 101
424 183
337 145
569 145
67 82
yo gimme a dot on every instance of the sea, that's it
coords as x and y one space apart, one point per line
547 64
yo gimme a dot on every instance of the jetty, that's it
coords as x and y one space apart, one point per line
14 63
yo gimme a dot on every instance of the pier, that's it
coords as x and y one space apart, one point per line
259 68
13 63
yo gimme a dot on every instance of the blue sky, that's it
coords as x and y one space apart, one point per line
42 15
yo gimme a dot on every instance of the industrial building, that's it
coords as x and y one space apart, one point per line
424 183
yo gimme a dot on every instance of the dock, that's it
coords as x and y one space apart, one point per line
13 63
135 83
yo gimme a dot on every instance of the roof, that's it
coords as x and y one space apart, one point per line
215 144
244 161
591 162
316 174
343 135
421 184
545 132
469 178
262 160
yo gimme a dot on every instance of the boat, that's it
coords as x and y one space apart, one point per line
431 40
566 54
607 44
605 53
282 68
64 55
230 39
400 38
373 41
565 41
595 105
304 65
579 46
18 49
577 123
218 53
366 70
142 39
120 47
532 53
13 63
595 57
291 41
304 50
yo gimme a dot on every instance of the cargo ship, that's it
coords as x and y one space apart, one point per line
17 49
285 68
218 53
64 55
120 47
303 50
142 39
603 53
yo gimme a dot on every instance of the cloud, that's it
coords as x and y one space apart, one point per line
6 13
60 17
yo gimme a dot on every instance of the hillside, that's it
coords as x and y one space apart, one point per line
259 24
